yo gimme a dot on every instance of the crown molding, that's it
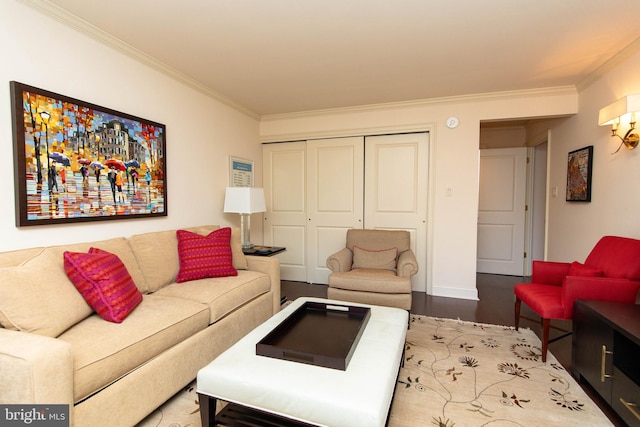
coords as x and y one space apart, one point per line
480 97
76 23
346 132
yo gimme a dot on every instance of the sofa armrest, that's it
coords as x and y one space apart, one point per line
597 288
271 267
407 264
35 369
340 261
549 273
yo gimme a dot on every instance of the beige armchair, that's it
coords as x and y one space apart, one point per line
375 268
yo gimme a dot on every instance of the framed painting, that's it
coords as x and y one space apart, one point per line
579 168
75 161
240 172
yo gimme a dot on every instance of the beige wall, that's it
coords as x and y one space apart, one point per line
454 158
503 137
574 228
201 132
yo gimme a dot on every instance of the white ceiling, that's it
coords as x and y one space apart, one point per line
283 56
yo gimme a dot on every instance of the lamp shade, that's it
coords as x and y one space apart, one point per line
245 200
619 109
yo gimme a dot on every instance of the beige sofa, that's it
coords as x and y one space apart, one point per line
115 374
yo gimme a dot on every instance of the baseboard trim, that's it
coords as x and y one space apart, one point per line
452 292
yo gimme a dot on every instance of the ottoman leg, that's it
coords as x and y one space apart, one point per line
207 410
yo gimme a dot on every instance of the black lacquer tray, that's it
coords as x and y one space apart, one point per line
317 333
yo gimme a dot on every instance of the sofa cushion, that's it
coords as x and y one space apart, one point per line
221 294
383 259
17 257
104 283
103 351
204 256
37 296
157 255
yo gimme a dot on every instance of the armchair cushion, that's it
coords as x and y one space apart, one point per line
378 239
371 280
579 269
384 259
543 299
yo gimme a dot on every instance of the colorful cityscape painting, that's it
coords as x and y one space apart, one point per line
75 161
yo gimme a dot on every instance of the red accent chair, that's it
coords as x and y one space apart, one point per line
611 272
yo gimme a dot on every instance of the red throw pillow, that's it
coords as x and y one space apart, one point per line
205 256
578 269
104 282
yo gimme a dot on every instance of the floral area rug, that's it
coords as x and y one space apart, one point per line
459 374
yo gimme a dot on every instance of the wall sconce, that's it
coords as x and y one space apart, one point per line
244 201
622 111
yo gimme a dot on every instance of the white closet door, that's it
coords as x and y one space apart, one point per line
396 174
334 199
285 221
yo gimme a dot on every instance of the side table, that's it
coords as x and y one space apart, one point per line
264 250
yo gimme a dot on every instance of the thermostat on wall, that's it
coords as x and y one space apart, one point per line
452 122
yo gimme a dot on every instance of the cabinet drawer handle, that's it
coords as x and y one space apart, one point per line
631 407
604 376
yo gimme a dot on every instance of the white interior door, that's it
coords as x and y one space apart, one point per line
396 176
285 221
334 199
501 211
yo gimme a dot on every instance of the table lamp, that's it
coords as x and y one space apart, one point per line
244 201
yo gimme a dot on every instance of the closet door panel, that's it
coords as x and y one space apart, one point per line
334 199
285 221
396 190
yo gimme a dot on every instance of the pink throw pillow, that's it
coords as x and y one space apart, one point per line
104 282
205 256
578 269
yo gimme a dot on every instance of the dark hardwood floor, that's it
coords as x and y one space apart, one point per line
495 305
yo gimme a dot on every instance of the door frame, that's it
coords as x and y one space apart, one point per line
534 183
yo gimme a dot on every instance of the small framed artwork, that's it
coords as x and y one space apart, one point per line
75 161
240 172
579 169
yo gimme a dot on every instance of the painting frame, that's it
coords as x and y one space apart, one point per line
75 161
579 174
241 172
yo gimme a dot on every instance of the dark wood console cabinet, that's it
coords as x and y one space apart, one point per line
606 353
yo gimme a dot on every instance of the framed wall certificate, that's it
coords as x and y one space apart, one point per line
240 172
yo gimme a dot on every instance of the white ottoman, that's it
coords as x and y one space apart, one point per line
360 395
